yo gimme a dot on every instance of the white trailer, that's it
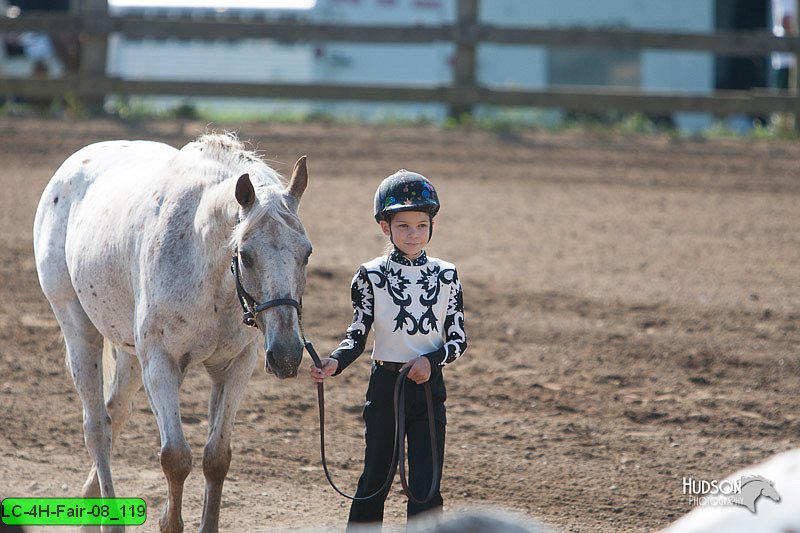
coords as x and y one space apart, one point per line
499 66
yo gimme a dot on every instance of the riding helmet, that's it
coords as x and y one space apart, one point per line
405 191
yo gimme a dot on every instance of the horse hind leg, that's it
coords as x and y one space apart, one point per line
123 376
84 354
126 383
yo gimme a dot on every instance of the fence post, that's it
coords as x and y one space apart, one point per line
464 78
794 69
93 49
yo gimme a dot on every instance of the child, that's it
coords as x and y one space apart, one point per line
415 306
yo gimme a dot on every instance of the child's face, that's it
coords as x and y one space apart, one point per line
410 231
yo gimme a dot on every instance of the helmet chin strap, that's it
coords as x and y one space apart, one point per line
391 239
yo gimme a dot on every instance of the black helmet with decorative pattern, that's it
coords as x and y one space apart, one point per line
405 191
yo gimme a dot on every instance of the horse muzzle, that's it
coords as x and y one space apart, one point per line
283 361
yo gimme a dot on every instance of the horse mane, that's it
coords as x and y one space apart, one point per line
228 152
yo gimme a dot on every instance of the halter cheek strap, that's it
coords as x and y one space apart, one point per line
250 307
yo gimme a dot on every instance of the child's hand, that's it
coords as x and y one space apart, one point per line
420 370
329 366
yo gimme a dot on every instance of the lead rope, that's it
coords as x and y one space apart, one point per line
398 453
400 431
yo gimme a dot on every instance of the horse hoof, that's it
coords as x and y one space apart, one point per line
165 525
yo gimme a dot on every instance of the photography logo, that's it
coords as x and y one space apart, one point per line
744 492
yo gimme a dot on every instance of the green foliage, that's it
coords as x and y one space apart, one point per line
9 108
720 130
781 127
638 123
185 110
131 108
501 119
69 105
66 105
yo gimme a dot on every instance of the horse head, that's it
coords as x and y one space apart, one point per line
273 251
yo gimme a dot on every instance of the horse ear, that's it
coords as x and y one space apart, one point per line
299 180
245 193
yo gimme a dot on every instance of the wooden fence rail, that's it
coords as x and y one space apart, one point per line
744 43
94 25
566 97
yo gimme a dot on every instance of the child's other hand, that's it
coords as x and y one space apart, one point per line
329 366
420 370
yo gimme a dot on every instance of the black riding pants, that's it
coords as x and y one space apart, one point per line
380 427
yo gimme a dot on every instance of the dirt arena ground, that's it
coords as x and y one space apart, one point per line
632 306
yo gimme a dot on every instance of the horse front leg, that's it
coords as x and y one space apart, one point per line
162 380
227 389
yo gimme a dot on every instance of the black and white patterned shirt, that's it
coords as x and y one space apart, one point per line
415 308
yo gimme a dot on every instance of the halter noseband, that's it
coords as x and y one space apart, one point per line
250 307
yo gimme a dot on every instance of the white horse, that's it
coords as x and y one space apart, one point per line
133 243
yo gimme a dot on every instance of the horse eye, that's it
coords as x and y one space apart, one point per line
246 259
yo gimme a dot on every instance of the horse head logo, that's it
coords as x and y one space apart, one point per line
753 487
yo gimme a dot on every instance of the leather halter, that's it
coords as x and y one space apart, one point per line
250 307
